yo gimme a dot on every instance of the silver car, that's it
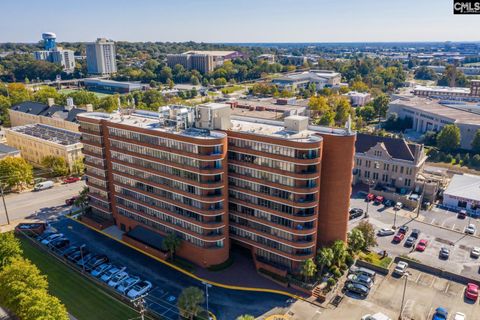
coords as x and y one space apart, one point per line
117 279
126 284
111 272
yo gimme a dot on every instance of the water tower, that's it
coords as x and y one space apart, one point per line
49 40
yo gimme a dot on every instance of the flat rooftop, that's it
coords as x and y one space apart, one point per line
48 133
211 52
468 113
443 89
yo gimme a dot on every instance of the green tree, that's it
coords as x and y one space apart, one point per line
78 167
449 138
190 301
83 97
44 93
367 113
17 172
18 93
165 74
4 106
339 249
194 80
380 104
82 199
327 119
368 232
57 165
356 241
308 269
220 82
9 248
246 317
109 104
476 142
325 258
37 304
171 243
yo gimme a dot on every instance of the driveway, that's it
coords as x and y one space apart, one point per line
168 283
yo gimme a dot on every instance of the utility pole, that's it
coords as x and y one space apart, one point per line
81 257
140 304
4 204
420 202
207 285
405 276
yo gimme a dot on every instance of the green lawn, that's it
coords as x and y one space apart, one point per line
83 298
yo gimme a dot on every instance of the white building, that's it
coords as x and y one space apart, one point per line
463 192
101 58
320 78
358 99
65 58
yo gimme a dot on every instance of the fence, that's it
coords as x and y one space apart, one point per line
371 266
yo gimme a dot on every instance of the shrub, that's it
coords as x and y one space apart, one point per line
336 272
343 267
349 260
331 282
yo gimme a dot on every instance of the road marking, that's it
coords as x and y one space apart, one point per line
453 227
418 278
443 223
447 287
433 220
429 316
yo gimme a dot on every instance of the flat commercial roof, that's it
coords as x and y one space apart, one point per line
465 186
443 89
455 112
48 133
211 52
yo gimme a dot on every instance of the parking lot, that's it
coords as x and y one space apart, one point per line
168 283
424 293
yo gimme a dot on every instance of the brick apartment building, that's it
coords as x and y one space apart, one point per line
278 188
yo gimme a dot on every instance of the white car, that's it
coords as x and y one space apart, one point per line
376 316
470 229
111 272
52 237
398 205
460 316
117 279
475 252
126 284
98 271
401 268
139 289
385 232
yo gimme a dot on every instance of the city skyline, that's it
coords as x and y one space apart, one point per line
265 21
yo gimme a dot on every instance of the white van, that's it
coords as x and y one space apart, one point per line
43 185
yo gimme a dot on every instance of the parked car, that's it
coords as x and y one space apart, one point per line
459 316
440 314
470 229
400 268
51 237
475 252
360 270
99 270
44 235
415 233
357 288
70 201
385 232
361 278
126 284
117 279
58 244
462 214
82 262
96 261
139 289
398 205
355 213
398 237
422 245
378 200
444 253
69 250
410 242
376 316
403 229
43 185
111 272
71 180
388 203
471 291
370 197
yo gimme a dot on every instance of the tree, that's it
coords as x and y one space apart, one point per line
194 80
165 74
78 167
83 97
17 93
380 104
44 93
368 232
325 258
367 113
308 269
4 106
220 82
449 138
476 142
246 317
339 249
171 243
57 165
356 241
9 248
38 304
82 200
425 73
17 172
109 103
190 301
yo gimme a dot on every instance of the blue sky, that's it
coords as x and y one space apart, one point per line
237 21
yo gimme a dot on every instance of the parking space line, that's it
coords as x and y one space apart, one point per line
431 284
433 220
453 227
430 312
418 278
447 287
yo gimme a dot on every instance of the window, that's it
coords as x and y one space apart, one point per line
375 176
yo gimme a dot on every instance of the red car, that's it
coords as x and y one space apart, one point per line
421 245
370 197
378 200
71 180
471 291
398 237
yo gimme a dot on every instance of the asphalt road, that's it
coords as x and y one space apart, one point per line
39 204
168 283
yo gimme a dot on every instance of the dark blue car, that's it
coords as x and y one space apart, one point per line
440 314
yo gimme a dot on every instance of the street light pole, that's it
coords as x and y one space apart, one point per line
81 257
405 276
207 285
395 210
4 205
372 182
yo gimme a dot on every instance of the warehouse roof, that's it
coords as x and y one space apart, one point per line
465 186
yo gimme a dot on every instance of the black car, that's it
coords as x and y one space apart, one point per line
77 256
415 233
444 253
403 229
357 288
355 213
44 235
96 261
410 242
59 244
82 262
70 250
